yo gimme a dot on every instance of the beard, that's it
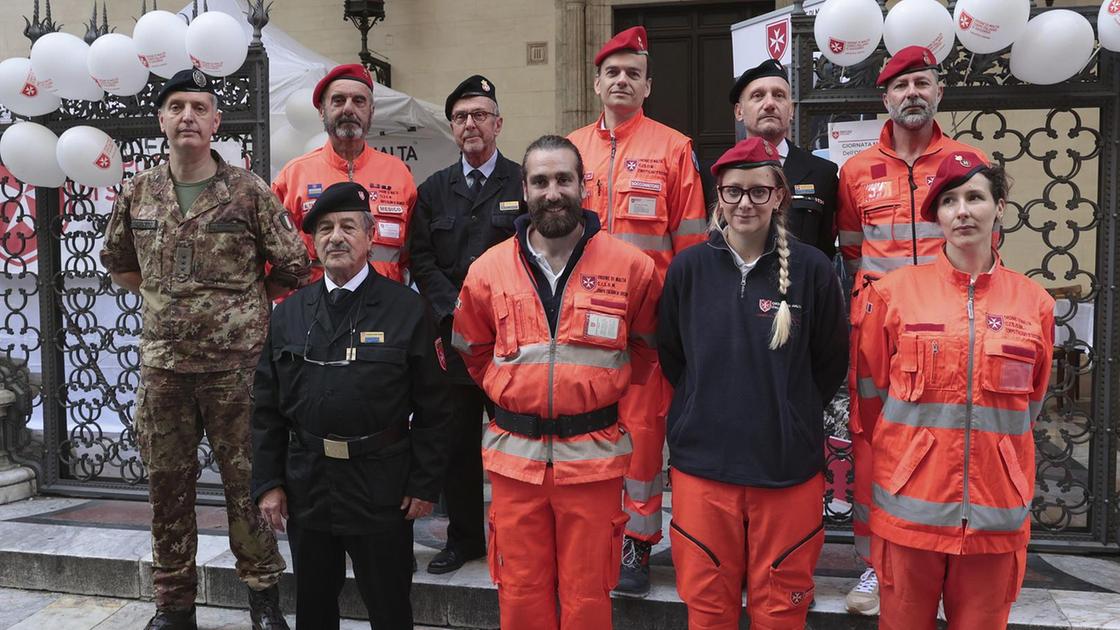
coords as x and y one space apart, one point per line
552 224
347 126
912 120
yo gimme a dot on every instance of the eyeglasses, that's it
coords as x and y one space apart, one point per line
351 353
757 194
479 116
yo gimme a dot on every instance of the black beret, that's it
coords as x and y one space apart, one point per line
340 197
768 68
476 85
189 80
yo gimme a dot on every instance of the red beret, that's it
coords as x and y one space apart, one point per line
749 153
909 59
957 168
352 71
631 40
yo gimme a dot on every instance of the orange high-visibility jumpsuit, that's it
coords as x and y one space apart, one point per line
555 521
642 180
952 374
392 194
878 214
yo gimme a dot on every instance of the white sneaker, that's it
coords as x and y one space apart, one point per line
863 599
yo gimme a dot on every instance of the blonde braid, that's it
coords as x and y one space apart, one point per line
783 321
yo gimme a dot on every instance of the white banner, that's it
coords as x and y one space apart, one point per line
846 139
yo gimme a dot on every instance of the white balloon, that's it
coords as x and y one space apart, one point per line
848 31
301 113
919 23
285 144
161 38
28 150
59 62
217 43
21 92
90 157
115 65
988 26
1108 25
1055 46
315 142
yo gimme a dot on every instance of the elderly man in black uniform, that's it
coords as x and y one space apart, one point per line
461 212
347 360
764 105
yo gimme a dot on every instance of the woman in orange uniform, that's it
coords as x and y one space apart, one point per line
954 361
752 336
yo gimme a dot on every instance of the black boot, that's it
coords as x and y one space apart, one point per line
264 609
172 620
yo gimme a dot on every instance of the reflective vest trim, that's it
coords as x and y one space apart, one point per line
647 242
952 416
982 517
688 227
901 231
541 353
643 490
866 388
382 253
886 264
853 265
861 513
571 450
643 524
849 238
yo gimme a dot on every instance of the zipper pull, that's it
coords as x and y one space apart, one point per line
935 348
614 144
350 171
971 314
742 285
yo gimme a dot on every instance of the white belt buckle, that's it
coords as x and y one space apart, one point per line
336 449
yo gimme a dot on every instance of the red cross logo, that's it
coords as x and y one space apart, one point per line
103 162
995 322
631 165
1114 7
765 305
777 37
588 282
965 22
835 45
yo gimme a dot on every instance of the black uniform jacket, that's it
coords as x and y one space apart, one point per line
448 232
395 372
813 216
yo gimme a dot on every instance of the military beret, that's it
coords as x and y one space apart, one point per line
905 61
631 40
957 168
353 71
340 197
768 68
476 85
189 80
749 153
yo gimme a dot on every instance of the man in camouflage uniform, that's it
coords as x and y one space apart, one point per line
192 237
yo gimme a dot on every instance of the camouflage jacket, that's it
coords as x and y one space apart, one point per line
205 307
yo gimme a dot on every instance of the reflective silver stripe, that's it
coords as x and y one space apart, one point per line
642 491
647 242
643 525
538 354
849 237
382 253
866 389
952 416
861 512
853 265
984 518
516 445
586 448
863 546
651 340
460 342
884 265
1034 408
688 227
901 231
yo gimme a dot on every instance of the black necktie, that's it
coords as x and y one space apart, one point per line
337 295
477 178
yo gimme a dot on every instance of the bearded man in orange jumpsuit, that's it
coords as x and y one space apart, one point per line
642 180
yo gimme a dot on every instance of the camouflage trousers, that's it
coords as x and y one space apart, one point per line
173 411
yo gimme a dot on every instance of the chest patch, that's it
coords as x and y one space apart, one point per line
314 190
805 190
878 171
642 206
388 229
995 322
878 190
643 185
386 208
602 326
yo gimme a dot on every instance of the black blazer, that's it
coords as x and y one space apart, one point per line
813 181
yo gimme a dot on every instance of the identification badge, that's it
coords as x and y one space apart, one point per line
314 190
144 224
509 206
805 190
385 208
878 190
372 336
388 229
602 326
642 206
638 184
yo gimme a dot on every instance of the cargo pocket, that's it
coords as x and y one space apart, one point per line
791 575
1009 368
910 460
389 226
599 322
618 527
694 542
1015 471
907 379
505 339
1017 571
493 555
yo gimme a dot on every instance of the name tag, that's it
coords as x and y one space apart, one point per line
372 336
640 185
806 190
144 224
602 326
509 206
384 208
642 206
388 229
225 227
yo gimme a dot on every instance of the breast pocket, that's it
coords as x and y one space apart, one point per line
599 321
225 254
502 220
907 374
643 205
147 237
442 230
388 225
1008 367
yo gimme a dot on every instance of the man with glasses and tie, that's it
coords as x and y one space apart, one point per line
344 98
462 211
337 460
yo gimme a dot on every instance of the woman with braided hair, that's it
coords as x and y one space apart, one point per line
752 336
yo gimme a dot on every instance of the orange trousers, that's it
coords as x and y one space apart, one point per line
723 535
551 540
978 589
642 411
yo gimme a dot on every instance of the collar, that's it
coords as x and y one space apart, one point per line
783 150
336 161
947 272
352 284
717 241
487 167
622 130
886 140
165 185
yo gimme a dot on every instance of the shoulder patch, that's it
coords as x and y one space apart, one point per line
286 220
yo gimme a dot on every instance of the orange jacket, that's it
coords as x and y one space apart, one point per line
392 194
642 179
603 343
951 376
878 204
